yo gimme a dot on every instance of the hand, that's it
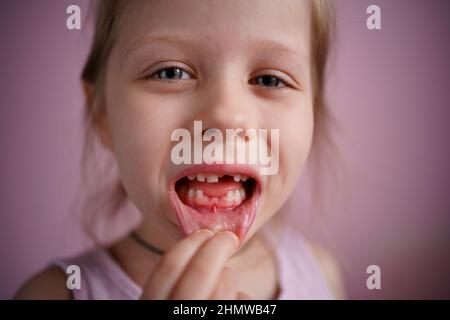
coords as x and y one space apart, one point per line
195 269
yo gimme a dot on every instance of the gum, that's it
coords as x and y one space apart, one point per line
210 202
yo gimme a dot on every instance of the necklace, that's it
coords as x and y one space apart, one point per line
145 244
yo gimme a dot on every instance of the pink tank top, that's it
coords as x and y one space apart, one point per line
298 272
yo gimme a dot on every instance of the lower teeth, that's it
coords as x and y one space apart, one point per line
231 194
233 197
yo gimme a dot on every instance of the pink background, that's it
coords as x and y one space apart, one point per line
389 90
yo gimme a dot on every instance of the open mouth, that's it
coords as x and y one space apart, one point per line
216 197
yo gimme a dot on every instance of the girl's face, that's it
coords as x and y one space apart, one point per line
230 64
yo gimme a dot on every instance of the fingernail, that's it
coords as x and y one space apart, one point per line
206 232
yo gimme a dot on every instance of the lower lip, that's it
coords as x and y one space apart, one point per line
238 220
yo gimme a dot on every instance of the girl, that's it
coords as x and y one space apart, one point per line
158 66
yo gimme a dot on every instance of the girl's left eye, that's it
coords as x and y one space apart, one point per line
268 81
171 73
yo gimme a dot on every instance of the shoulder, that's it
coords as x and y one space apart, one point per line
330 269
47 284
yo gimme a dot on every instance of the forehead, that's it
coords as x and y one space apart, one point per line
226 26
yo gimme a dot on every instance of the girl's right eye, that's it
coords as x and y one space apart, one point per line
171 73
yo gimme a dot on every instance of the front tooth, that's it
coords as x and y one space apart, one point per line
242 193
191 193
244 178
230 195
191 177
212 178
237 195
199 193
237 177
200 178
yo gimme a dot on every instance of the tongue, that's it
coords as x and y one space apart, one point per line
216 189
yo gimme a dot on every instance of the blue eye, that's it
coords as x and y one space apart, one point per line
171 73
268 81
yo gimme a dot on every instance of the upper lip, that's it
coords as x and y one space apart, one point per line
223 169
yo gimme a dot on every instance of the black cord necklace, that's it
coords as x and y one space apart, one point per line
145 244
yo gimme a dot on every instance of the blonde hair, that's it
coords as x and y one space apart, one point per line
108 15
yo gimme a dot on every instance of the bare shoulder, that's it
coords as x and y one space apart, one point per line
330 269
47 284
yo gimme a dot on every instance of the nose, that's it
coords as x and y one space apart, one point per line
227 102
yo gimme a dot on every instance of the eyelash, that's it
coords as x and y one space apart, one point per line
154 74
277 79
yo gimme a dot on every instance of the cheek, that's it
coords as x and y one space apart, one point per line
140 127
297 140
296 129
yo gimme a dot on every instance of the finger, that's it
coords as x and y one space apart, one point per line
172 264
226 288
201 275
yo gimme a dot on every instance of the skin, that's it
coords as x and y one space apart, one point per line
223 59
242 40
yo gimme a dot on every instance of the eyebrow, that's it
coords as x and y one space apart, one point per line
173 40
282 48
185 41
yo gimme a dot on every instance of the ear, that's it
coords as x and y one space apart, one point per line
101 124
